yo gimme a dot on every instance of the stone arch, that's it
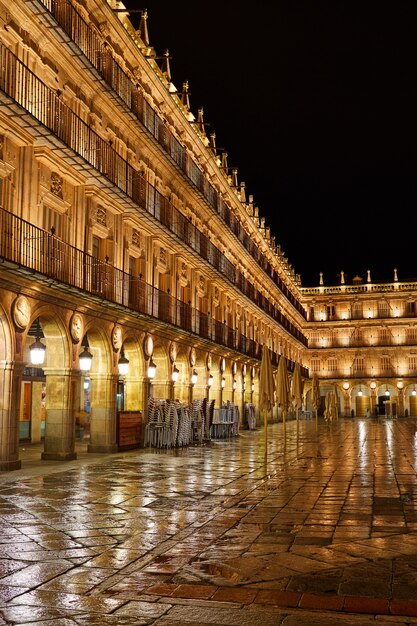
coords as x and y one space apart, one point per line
134 381
161 382
181 389
103 379
53 402
10 380
200 388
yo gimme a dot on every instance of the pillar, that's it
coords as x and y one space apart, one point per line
36 413
103 413
10 387
59 442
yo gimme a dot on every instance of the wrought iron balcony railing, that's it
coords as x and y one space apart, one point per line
100 57
34 249
19 83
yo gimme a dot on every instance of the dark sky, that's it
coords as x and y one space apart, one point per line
315 104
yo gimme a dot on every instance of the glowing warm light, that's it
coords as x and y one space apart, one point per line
194 377
175 374
123 364
210 380
85 359
151 369
37 352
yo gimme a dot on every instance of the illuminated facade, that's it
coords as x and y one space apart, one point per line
363 337
130 254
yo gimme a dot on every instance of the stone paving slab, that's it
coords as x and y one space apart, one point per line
324 532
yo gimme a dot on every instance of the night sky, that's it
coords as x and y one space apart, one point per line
315 104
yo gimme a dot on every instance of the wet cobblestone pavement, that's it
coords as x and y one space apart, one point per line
323 533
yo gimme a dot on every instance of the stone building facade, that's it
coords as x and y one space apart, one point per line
124 235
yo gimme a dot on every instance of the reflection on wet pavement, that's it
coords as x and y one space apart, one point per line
212 535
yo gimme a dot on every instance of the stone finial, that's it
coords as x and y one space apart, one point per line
395 275
342 277
224 161
235 183
368 276
142 31
185 96
242 192
213 142
200 121
321 278
166 69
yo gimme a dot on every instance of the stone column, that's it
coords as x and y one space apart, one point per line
10 389
60 425
400 409
36 414
103 413
347 403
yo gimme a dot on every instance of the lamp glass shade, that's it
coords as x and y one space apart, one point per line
194 377
210 380
37 352
85 359
123 365
234 385
223 382
175 374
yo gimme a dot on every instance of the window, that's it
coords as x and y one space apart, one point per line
383 309
332 365
358 365
385 363
53 221
411 308
315 365
384 336
412 335
412 364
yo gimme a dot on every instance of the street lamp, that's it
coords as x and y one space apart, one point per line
175 374
174 377
123 363
151 369
37 348
85 358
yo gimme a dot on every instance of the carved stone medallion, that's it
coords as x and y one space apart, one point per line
76 327
117 337
21 312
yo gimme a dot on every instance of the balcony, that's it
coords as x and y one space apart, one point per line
31 248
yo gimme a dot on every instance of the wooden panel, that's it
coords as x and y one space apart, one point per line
362 404
129 430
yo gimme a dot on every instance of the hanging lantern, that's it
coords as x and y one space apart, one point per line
85 359
123 364
37 348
